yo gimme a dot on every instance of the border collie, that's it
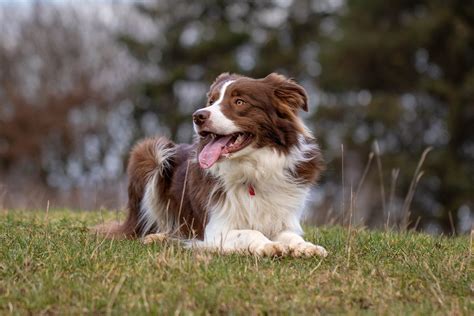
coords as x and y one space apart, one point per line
241 186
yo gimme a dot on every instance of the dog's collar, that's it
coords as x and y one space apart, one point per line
251 190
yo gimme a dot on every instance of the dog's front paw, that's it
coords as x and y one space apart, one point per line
152 238
307 249
272 249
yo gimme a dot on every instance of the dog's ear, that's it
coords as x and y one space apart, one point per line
288 92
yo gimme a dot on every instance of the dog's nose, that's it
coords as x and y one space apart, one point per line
200 116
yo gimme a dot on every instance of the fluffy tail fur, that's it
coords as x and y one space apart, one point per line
150 161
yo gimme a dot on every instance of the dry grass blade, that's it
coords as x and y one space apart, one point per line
182 196
436 289
470 243
417 222
451 223
115 294
406 214
379 169
411 192
393 184
329 219
169 227
364 175
349 230
97 247
47 213
343 207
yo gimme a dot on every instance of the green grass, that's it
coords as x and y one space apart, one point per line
50 264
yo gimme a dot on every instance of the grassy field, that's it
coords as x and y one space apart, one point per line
49 264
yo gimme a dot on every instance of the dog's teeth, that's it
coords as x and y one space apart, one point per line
239 139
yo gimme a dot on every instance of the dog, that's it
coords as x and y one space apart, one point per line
242 185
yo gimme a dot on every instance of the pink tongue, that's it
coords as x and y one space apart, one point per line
212 151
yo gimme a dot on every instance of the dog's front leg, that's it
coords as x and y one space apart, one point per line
249 241
298 247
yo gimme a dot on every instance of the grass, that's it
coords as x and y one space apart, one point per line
49 264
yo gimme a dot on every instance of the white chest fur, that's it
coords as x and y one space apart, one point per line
278 201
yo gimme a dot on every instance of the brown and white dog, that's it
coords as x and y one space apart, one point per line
242 185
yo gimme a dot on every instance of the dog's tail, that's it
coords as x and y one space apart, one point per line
151 161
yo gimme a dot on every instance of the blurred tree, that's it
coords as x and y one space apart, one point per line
412 65
63 101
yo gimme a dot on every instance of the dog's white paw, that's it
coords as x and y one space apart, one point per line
307 249
152 238
272 249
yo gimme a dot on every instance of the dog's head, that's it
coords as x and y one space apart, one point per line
243 114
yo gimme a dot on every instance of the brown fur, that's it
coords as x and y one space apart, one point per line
308 172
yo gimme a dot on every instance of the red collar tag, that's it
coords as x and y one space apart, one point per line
251 190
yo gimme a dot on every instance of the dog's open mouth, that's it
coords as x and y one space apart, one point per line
222 146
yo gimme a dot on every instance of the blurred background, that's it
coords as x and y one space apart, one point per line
81 81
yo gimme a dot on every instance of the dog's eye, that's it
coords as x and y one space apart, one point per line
239 101
211 101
